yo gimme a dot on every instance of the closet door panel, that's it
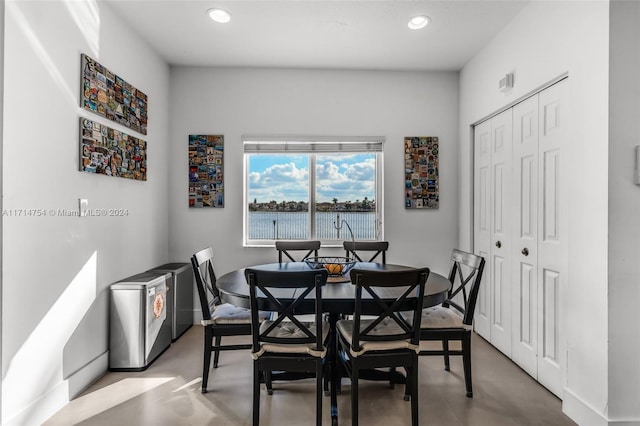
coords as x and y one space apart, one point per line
482 222
501 218
552 235
525 235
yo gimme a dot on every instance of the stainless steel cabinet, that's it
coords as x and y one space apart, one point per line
179 296
140 327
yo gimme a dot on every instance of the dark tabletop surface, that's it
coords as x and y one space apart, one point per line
336 297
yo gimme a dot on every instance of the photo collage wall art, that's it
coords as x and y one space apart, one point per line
206 177
107 151
421 189
108 95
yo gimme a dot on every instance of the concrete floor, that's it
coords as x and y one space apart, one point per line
168 393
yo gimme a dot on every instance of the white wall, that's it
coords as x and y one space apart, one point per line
234 102
624 206
2 5
56 270
544 41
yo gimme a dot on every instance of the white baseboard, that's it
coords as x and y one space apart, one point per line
629 422
581 412
60 395
87 375
585 415
42 408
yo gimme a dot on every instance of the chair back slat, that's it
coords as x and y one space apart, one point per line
465 258
267 283
379 248
208 293
465 276
393 291
285 247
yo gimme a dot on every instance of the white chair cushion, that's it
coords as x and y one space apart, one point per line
289 329
438 317
304 318
227 313
386 327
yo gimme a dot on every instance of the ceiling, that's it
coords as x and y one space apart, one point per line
335 34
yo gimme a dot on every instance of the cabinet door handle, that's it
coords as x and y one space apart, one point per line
525 251
498 244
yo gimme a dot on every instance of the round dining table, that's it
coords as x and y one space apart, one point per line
338 298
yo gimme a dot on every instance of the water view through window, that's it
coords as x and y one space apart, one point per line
304 196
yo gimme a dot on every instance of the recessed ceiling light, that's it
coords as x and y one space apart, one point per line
219 15
418 22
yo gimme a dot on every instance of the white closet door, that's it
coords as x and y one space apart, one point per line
525 235
552 235
501 213
520 227
482 222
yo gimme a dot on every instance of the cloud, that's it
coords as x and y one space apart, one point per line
346 181
345 177
284 181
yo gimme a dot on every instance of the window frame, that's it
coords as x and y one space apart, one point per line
315 146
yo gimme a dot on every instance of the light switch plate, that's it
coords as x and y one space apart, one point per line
83 204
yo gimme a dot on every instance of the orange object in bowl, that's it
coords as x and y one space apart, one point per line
333 268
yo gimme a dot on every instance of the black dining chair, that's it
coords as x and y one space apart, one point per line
389 340
286 251
286 247
218 319
285 343
378 248
453 320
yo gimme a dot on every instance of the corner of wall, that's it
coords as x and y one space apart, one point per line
579 411
2 26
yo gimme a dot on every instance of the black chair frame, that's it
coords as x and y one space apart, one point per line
265 282
378 247
459 282
209 295
376 284
284 247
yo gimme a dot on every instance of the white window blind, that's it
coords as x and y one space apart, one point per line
266 146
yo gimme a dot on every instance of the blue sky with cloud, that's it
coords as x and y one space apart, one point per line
347 177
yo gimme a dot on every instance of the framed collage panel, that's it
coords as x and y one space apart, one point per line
421 188
110 152
106 94
206 171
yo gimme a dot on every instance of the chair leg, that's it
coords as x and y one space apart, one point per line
334 393
412 377
268 383
208 337
466 362
408 386
319 376
327 374
217 356
392 373
256 393
355 375
445 349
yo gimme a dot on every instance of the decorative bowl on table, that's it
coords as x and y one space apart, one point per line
338 267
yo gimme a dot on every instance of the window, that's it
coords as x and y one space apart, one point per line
312 189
